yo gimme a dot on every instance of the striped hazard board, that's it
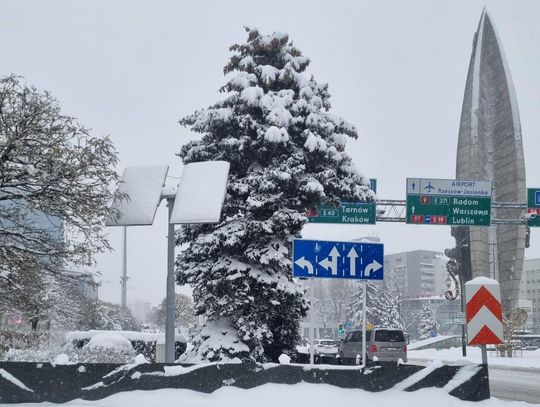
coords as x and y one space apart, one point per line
484 311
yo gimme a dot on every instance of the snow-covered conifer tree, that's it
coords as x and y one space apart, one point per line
428 324
287 154
381 305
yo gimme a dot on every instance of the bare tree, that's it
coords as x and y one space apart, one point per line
55 183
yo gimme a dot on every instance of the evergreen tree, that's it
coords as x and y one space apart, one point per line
428 324
381 305
287 154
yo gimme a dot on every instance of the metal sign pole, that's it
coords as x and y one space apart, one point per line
171 295
484 354
463 326
311 327
364 322
124 277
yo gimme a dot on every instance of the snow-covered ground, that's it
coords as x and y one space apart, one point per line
527 359
271 395
429 341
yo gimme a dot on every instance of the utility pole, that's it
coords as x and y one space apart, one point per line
124 278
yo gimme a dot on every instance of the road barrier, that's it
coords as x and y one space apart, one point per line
38 382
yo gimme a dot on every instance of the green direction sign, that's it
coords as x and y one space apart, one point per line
533 205
448 202
373 184
348 213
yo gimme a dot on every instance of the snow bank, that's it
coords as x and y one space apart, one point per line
61 359
526 359
271 395
284 359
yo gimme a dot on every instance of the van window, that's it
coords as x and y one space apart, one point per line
357 336
389 336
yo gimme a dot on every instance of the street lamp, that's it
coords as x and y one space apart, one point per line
198 198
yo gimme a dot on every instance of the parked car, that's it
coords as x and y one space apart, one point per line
325 347
382 345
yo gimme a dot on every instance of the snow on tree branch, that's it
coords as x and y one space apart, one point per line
55 182
287 153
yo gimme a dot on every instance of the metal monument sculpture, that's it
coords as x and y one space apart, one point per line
490 148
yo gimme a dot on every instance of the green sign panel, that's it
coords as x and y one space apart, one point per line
533 205
347 213
373 184
448 202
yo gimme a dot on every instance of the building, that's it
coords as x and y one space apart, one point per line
445 312
83 282
530 290
140 309
329 309
490 148
418 273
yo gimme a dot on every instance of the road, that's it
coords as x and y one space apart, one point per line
515 384
509 383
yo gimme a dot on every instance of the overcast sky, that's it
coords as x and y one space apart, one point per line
396 69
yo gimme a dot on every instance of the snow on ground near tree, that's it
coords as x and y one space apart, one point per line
527 358
271 395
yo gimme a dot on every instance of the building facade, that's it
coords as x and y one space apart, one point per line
418 273
530 290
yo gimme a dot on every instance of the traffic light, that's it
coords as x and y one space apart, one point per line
340 329
527 237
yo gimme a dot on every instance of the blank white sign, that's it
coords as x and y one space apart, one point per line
143 185
201 193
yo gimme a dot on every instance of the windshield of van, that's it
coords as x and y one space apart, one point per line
389 336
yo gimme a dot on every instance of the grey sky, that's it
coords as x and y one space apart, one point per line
396 70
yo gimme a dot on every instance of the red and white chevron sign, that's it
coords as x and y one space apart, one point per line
484 311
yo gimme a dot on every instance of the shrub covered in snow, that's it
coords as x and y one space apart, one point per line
40 355
105 347
80 344
287 154
27 346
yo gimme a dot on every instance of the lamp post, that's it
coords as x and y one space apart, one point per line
197 199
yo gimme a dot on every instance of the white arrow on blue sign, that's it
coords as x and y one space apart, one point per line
319 258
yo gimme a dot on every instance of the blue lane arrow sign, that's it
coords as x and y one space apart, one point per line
326 259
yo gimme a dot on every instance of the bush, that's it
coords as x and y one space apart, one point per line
26 346
29 355
23 339
143 343
100 354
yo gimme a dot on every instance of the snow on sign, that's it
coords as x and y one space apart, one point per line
201 193
316 258
143 185
484 311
